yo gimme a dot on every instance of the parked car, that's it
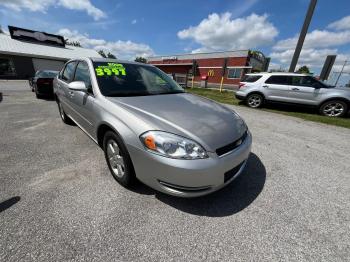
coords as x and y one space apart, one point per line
42 83
300 89
150 128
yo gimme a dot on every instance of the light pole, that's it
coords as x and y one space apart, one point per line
302 36
341 72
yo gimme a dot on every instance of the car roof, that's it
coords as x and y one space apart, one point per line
113 60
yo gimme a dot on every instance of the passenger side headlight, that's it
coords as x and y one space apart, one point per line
173 146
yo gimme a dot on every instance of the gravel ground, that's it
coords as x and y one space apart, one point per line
58 201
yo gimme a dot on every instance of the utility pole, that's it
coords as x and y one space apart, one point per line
302 36
341 72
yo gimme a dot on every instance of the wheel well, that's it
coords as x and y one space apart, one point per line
256 92
335 98
101 131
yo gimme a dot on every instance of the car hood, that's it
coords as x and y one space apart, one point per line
207 122
346 89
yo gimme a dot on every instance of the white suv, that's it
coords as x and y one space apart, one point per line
255 89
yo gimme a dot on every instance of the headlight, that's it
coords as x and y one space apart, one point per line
173 146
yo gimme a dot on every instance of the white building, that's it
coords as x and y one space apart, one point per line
24 52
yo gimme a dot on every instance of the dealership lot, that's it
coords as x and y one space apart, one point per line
58 200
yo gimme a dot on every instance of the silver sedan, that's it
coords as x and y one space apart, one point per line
150 129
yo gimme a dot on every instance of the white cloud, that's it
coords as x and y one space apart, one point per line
318 44
83 5
43 5
221 32
127 50
310 57
316 39
133 22
342 24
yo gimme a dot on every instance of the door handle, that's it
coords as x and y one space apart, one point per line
295 89
71 93
265 86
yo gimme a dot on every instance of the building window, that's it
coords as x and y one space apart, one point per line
234 73
6 67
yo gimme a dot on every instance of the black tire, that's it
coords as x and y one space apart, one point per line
254 100
37 95
334 108
63 115
127 178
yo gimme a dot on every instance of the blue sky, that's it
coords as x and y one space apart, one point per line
136 27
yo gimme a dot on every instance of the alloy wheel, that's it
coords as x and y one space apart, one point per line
60 107
115 159
254 101
333 109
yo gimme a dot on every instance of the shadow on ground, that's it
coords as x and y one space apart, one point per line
9 203
230 200
286 107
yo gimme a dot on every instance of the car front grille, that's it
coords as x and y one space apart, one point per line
230 147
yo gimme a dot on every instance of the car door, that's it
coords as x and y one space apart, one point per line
62 90
276 88
305 90
83 102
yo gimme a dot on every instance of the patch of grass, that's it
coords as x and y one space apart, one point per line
227 97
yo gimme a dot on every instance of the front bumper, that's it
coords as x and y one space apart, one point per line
190 178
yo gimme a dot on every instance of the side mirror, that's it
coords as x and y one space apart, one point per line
77 86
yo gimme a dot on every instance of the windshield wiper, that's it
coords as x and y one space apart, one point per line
169 93
127 94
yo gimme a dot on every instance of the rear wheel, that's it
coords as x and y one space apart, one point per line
334 108
118 159
63 115
255 100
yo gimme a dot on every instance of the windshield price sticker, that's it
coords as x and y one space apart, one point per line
110 69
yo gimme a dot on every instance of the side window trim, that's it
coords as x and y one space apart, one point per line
87 65
72 77
61 72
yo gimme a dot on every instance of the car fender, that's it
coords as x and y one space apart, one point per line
347 101
120 127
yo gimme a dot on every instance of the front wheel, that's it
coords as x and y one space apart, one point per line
334 108
118 159
255 100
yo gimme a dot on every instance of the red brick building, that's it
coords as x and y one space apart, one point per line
210 66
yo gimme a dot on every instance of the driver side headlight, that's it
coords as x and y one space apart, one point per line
172 146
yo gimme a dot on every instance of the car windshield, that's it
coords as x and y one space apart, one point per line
48 74
123 79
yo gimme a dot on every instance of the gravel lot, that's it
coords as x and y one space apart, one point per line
59 202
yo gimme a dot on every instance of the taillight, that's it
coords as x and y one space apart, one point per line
241 85
44 81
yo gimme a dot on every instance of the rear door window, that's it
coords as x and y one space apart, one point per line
251 78
68 71
277 80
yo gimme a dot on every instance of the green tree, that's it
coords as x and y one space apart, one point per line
141 60
303 70
110 55
102 53
72 43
